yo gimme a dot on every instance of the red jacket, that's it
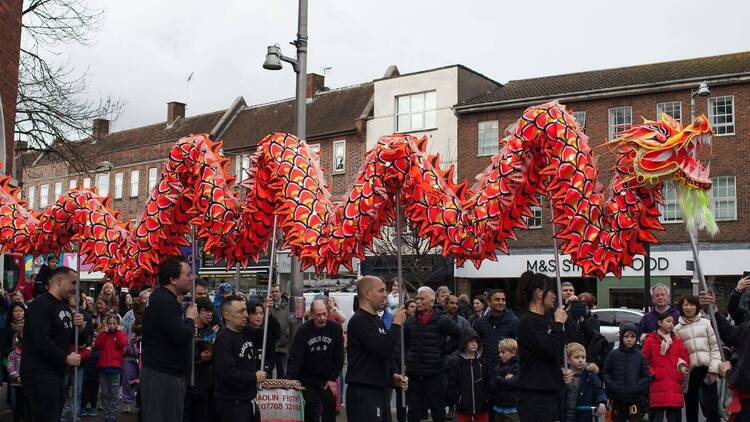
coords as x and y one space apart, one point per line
112 346
666 385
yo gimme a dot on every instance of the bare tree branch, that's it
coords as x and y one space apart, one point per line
54 108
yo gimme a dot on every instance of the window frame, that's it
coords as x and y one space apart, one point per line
241 165
670 202
58 190
86 183
31 196
119 179
575 113
43 195
612 126
672 103
713 199
481 149
135 183
714 126
102 192
72 183
336 144
535 209
153 179
397 112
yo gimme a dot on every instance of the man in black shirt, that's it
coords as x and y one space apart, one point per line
48 337
167 338
316 360
237 363
199 397
370 349
45 273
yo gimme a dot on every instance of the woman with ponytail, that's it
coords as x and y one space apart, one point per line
541 342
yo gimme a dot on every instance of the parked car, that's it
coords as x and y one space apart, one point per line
611 318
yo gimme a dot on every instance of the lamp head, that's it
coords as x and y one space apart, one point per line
703 90
273 58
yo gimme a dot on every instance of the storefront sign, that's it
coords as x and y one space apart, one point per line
715 262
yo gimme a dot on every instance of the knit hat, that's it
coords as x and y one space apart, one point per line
628 327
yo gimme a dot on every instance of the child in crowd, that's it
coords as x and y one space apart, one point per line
626 377
584 395
668 362
468 381
111 344
503 382
21 411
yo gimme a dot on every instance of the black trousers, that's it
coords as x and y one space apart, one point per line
621 411
279 362
320 404
534 406
237 411
426 393
366 404
198 405
665 414
700 392
46 391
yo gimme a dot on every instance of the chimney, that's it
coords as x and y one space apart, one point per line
100 128
175 110
315 83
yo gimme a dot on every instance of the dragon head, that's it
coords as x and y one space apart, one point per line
656 151
664 149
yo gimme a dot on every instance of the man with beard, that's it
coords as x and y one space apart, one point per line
237 355
48 335
316 360
167 338
370 348
500 323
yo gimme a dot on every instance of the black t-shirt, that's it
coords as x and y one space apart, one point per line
236 359
48 335
370 348
317 355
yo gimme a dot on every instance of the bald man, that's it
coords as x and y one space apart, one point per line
316 360
370 348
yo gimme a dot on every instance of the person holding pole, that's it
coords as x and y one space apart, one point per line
48 337
237 356
316 360
167 340
370 348
541 343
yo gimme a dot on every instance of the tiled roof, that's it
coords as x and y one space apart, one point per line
329 112
622 77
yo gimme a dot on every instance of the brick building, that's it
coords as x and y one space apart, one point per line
10 50
127 164
605 102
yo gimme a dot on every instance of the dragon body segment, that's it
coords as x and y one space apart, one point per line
545 153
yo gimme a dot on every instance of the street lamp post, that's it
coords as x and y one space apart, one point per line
702 91
273 62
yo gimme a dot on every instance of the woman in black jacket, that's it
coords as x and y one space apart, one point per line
540 349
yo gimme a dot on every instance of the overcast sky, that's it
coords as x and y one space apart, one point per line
146 49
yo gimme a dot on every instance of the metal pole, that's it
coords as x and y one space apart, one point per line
647 277
399 273
239 183
268 292
76 407
194 252
704 287
557 267
301 119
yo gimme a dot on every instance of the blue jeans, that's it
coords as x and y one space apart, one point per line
109 382
68 381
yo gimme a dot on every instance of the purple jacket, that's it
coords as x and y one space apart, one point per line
648 322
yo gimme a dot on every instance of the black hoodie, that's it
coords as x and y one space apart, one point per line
468 379
236 360
540 352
